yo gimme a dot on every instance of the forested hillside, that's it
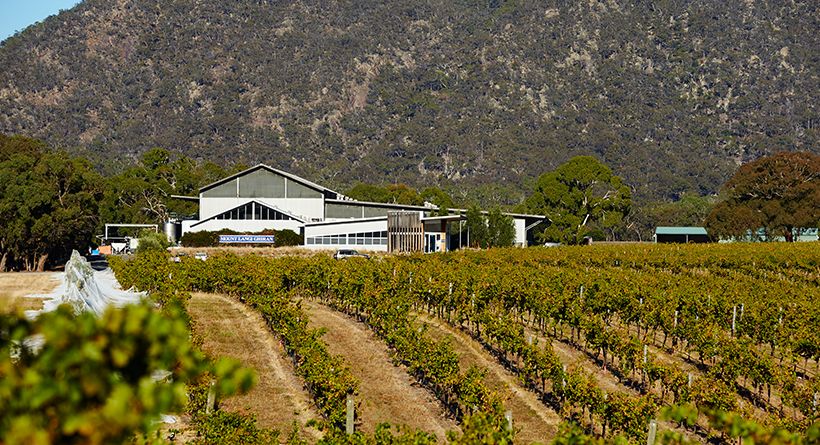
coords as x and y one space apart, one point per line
477 97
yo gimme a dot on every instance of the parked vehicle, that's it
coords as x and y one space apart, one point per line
201 256
343 254
180 256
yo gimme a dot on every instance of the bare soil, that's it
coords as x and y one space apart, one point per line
534 421
387 393
233 330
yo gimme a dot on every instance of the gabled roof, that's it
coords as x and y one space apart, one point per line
303 181
282 211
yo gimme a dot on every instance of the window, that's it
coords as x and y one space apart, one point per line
253 211
342 239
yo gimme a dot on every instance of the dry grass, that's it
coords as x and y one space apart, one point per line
538 422
232 330
15 286
387 393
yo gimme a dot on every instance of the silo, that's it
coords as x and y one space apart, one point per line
173 231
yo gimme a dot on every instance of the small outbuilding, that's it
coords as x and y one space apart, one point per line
681 235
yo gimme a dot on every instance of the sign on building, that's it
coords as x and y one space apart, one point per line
246 239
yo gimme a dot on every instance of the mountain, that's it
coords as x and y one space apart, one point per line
477 97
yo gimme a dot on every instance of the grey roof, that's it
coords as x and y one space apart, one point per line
377 204
345 221
290 176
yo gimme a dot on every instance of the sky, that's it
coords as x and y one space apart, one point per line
16 15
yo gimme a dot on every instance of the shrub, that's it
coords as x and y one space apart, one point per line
150 240
224 428
199 239
103 391
288 237
204 238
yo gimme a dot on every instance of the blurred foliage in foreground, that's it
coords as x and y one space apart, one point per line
67 379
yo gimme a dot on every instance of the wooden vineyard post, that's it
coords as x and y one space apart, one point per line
653 430
349 417
644 369
563 386
211 403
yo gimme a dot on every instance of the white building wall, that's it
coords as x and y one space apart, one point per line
241 225
307 208
520 232
328 233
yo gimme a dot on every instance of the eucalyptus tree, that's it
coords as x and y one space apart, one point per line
577 194
48 203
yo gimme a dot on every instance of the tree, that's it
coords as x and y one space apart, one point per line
777 194
48 203
440 199
477 227
142 194
500 229
493 230
579 193
368 193
151 240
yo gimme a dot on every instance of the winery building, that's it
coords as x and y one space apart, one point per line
263 197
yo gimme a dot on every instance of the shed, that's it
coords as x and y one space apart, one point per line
683 235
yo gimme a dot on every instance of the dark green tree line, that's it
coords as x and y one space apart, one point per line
49 203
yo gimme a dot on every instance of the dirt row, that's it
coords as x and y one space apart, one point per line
233 330
386 393
533 419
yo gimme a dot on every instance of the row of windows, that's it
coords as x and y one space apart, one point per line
361 238
255 211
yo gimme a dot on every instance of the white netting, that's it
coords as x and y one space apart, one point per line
87 290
